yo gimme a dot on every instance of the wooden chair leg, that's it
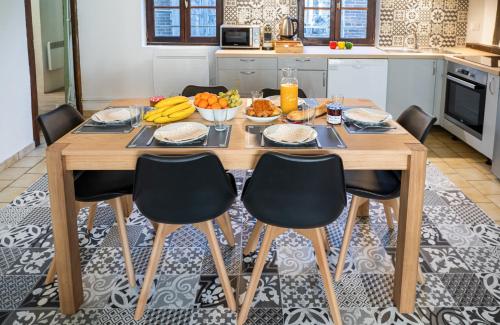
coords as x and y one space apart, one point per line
122 230
315 236
224 222
388 214
253 240
363 208
271 233
51 274
92 213
128 205
395 208
326 242
356 201
420 275
208 228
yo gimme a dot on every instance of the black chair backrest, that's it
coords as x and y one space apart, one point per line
58 122
417 122
296 191
275 92
182 189
193 90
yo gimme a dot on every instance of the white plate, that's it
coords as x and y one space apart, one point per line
113 115
208 114
366 116
277 100
290 134
262 119
181 132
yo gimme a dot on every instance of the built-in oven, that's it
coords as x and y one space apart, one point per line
240 36
465 98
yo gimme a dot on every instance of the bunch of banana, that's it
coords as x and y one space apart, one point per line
170 110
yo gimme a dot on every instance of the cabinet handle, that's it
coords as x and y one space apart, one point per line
490 87
303 60
247 72
324 79
247 60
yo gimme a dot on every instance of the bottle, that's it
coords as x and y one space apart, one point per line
289 91
334 114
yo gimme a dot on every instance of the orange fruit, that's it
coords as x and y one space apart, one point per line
197 101
204 95
216 106
212 100
223 102
203 103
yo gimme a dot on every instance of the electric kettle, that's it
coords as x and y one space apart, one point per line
288 28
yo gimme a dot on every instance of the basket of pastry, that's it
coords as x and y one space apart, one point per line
262 111
299 116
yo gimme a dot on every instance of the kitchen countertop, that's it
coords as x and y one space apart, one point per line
365 52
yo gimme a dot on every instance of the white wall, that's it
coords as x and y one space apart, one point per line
51 23
15 96
115 61
481 21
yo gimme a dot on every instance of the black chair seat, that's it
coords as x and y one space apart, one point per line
96 185
373 184
267 92
192 90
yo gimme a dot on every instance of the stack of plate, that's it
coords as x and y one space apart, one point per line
290 134
366 116
115 115
181 132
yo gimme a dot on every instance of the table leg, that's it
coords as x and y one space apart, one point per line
409 229
64 224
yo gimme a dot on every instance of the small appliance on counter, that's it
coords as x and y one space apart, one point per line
289 27
267 38
240 36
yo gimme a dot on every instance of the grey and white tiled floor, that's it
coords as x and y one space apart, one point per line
460 256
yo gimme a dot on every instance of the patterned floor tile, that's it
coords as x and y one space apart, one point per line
185 260
467 289
167 316
175 291
18 287
11 216
482 315
296 260
19 236
116 316
388 237
123 297
432 199
106 261
42 184
441 315
7 257
33 198
113 237
213 316
232 260
452 198
38 316
42 295
33 261
351 292
433 293
491 281
97 290
431 236
94 238
364 235
306 316
268 316
354 316
459 235
140 259
372 259
304 291
379 289
480 259
292 239
267 294
393 316
270 266
147 237
38 216
349 265
188 236
444 260
471 214
441 214
82 316
209 292
4 314
489 234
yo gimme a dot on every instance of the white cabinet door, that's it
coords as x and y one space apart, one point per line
229 79
313 83
256 80
359 78
411 82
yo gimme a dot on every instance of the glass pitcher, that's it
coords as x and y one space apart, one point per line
289 90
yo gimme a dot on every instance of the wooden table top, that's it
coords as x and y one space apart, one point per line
364 151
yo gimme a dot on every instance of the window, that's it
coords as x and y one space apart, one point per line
343 20
183 21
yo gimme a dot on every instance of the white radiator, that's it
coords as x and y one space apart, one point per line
176 68
55 55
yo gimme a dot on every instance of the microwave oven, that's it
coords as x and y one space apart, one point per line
240 36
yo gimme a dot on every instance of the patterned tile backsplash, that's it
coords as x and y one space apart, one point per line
438 23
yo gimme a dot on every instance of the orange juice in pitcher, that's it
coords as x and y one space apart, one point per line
289 91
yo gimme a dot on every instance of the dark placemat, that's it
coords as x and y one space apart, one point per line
327 138
215 139
90 126
353 129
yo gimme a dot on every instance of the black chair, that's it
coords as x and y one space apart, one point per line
267 92
381 185
92 186
303 193
192 90
173 191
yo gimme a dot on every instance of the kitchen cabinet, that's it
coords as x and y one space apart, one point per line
411 82
311 73
358 78
247 74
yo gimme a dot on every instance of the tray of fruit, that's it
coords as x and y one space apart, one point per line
263 110
206 102
170 110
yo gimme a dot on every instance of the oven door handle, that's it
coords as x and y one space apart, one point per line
461 82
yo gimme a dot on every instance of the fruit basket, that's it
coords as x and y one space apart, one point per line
206 103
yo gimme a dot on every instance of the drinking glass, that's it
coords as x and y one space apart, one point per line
136 115
256 94
220 115
338 101
309 114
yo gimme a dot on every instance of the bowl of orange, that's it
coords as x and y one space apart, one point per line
205 103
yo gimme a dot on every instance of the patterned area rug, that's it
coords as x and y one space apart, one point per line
460 256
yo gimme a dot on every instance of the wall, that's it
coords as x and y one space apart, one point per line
51 24
15 96
115 62
482 17
438 23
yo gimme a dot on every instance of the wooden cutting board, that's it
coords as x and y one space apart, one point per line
288 46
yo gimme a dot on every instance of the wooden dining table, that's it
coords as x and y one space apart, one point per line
392 150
